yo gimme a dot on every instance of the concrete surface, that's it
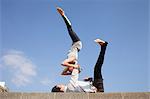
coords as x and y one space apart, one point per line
18 95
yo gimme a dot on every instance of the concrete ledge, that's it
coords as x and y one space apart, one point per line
15 95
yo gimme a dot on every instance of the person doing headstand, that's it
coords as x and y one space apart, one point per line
89 84
72 57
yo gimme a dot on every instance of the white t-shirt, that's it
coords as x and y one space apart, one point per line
79 86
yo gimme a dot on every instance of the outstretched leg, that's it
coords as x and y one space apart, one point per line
98 79
72 34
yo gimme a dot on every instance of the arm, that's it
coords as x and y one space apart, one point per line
68 62
66 72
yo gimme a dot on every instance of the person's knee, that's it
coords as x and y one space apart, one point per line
78 45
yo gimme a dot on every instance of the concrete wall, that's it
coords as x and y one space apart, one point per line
143 95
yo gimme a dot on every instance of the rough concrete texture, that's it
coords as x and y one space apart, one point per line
13 95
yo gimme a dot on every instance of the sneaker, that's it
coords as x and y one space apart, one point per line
101 42
60 10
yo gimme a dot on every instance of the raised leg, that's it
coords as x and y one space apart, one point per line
72 34
98 79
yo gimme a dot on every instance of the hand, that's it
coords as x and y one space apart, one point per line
88 79
76 66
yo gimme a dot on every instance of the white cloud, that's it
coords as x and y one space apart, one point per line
23 69
45 82
20 80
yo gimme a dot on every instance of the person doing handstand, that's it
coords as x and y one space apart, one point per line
72 57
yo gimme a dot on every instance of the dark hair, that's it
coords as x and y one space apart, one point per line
56 89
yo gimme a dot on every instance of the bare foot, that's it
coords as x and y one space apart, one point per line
60 10
101 42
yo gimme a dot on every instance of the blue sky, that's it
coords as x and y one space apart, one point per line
34 40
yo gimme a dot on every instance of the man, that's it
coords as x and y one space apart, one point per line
72 58
87 85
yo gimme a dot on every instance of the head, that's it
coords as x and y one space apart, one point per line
58 88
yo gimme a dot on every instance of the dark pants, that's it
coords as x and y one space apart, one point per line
98 79
72 34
